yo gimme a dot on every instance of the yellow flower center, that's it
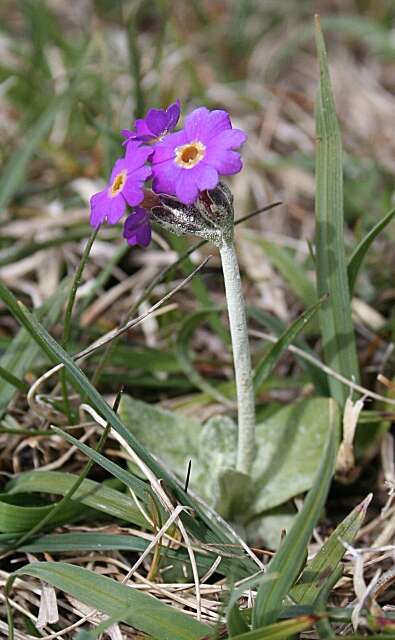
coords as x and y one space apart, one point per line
188 155
118 184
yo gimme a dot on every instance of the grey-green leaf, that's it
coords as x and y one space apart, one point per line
289 558
290 448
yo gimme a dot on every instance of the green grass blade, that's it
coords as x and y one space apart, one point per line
138 486
292 272
236 621
279 630
17 517
23 351
270 359
93 494
329 556
288 559
199 287
323 625
205 527
277 327
14 172
182 352
145 613
93 541
360 251
81 541
21 385
335 315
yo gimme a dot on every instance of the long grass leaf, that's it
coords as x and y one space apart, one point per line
335 315
135 608
361 250
14 172
329 556
292 272
270 359
93 494
182 351
279 630
18 518
23 351
96 541
277 327
138 486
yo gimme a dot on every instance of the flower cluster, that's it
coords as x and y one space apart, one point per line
182 164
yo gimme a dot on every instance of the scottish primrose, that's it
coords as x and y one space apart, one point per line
187 197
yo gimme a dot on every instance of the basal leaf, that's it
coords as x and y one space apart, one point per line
289 558
290 447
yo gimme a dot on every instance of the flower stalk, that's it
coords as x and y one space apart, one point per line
212 217
241 356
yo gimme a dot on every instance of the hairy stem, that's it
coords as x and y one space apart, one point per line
241 357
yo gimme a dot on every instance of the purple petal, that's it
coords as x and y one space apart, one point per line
225 161
165 176
116 209
173 113
186 187
231 139
136 155
137 229
132 195
143 235
119 166
133 188
141 174
206 177
165 150
160 121
203 124
128 134
142 128
157 120
99 208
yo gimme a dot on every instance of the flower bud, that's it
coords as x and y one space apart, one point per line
211 217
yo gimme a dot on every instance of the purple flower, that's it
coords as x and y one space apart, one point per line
125 186
137 228
190 161
156 124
